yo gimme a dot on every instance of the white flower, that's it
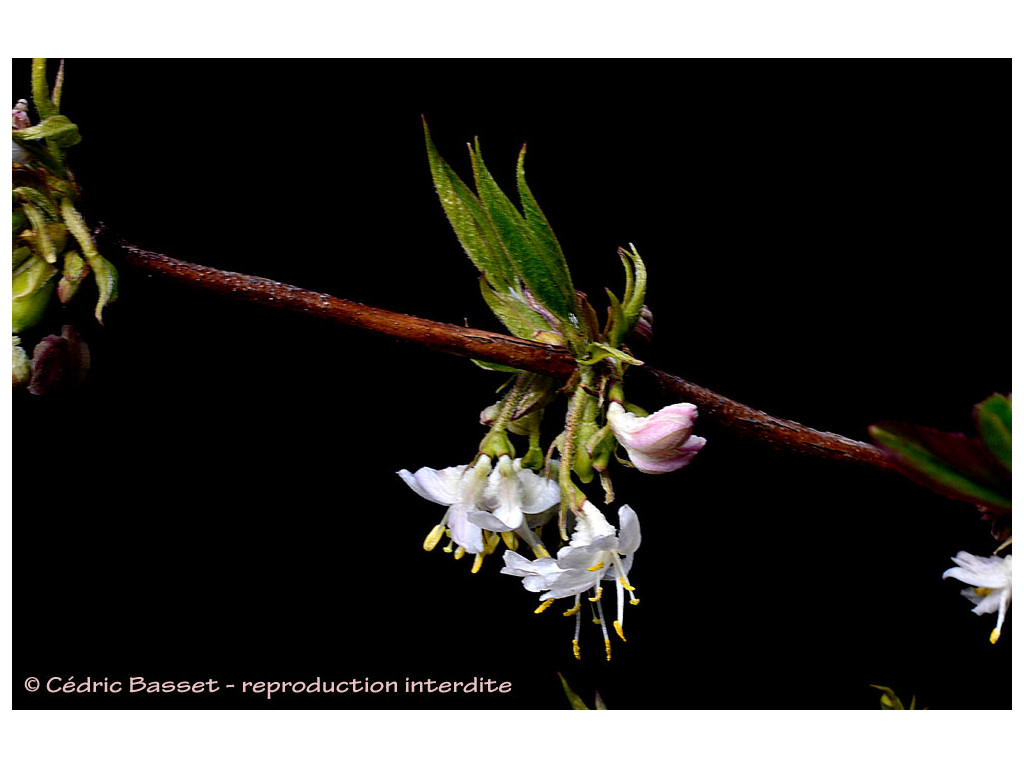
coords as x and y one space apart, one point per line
991 579
461 488
513 492
659 443
595 553
481 499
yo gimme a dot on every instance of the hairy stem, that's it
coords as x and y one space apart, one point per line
491 347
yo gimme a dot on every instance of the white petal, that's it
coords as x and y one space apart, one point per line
465 533
437 485
539 494
629 530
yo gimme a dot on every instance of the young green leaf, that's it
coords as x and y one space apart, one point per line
56 128
531 261
574 700
468 219
543 236
948 463
104 272
993 417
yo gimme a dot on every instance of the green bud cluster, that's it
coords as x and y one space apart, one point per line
53 250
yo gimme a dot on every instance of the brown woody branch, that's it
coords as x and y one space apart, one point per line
495 348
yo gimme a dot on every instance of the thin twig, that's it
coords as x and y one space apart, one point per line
494 348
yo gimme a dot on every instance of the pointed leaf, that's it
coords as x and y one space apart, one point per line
56 128
949 463
467 217
531 262
542 234
574 700
104 272
41 90
993 417
513 312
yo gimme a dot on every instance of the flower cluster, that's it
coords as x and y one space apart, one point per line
503 495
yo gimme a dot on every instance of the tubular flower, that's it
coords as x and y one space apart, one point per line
461 488
991 581
513 492
595 553
500 500
659 443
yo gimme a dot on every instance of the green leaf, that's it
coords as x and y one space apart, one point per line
543 237
529 260
104 272
468 219
41 90
993 417
495 366
513 312
38 199
56 128
598 351
574 700
949 463
889 698
43 245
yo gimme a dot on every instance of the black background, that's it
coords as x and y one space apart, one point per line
826 242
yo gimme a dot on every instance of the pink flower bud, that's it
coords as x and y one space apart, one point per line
659 443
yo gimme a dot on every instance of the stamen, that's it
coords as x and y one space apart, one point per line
510 539
634 601
995 635
433 537
600 591
597 567
477 562
982 591
545 605
575 609
491 540
618 630
459 553
604 631
576 650
627 585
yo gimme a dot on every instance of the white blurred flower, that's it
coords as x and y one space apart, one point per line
991 582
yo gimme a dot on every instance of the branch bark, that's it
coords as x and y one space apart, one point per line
491 347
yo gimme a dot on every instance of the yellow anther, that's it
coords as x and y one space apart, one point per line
982 591
459 553
545 605
618 630
576 649
540 551
596 620
597 567
630 587
634 601
600 591
994 636
608 649
510 539
433 537
491 540
574 610
477 562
